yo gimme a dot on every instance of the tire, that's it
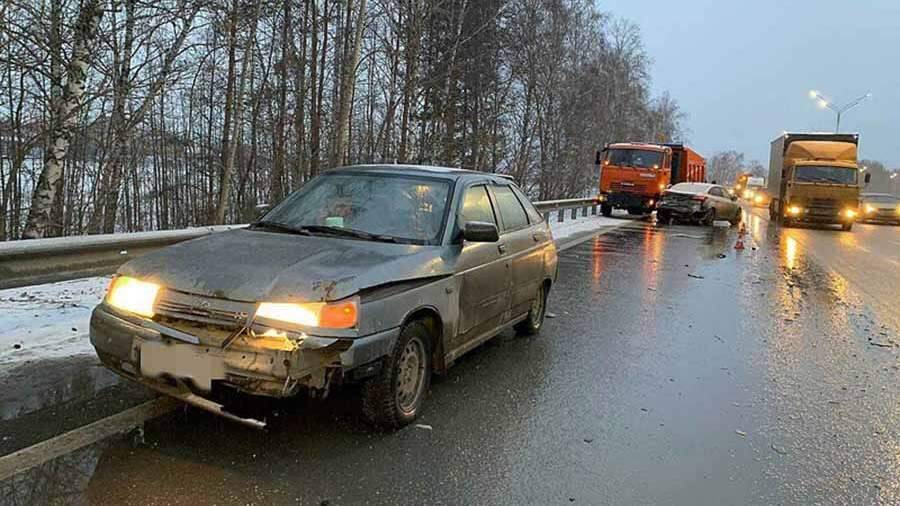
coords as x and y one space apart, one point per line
846 227
385 404
663 218
606 210
738 217
709 217
535 320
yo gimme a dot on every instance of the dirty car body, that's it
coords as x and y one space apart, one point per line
698 203
319 291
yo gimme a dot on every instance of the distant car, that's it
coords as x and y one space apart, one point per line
880 208
372 274
700 203
760 198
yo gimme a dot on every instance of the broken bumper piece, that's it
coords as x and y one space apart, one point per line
184 363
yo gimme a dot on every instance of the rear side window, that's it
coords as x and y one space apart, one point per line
511 209
476 206
716 191
534 216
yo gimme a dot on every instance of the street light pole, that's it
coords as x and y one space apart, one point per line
839 110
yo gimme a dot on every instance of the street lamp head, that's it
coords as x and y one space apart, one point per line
813 93
823 103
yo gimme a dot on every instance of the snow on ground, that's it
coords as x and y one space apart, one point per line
51 321
47 321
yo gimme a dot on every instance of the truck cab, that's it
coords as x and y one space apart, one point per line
633 176
815 178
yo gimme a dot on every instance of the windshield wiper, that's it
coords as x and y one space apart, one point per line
281 227
348 232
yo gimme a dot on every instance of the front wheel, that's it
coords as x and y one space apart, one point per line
395 395
532 324
847 227
709 218
663 218
606 210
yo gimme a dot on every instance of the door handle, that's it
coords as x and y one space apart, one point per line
538 237
501 248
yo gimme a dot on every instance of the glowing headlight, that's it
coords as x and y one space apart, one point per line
338 315
747 194
794 210
132 295
850 213
870 209
758 199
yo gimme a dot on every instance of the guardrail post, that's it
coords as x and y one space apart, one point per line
560 215
547 216
574 213
594 210
584 212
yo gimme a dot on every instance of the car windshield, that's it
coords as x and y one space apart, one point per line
642 158
825 174
881 199
379 207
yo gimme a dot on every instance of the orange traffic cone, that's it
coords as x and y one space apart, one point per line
739 244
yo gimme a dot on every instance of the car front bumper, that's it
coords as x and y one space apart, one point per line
162 358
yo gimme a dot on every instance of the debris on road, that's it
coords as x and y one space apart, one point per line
740 433
588 440
424 426
695 276
888 344
550 315
779 450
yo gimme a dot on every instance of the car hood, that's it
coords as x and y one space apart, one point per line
247 265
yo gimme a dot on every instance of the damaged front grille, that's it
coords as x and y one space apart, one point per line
628 187
222 313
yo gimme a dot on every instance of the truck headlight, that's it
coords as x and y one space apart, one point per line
132 295
336 315
794 210
870 209
850 213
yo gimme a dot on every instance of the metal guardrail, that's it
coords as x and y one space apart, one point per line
38 261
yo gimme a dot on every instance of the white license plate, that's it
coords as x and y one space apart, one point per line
182 361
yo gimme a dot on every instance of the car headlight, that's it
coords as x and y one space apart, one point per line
336 315
870 209
850 213
758 199
794 210
747 194
132 295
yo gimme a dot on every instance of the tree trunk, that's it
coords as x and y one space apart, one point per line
46 190
348 74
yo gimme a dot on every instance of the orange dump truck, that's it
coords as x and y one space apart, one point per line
633 175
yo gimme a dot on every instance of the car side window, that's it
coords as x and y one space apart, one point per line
534 216
511 209
716 191
476 206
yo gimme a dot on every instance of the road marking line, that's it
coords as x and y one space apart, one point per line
75 439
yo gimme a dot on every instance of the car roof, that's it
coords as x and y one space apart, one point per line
453 173
697 187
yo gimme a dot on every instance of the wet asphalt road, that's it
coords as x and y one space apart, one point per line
669 375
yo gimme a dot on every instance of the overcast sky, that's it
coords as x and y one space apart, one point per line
742 70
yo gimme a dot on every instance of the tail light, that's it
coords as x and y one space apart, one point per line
699 198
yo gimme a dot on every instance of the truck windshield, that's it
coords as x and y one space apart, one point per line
642 158
825 174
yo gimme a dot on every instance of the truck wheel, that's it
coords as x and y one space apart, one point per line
393 397
847 227
663 218
635 211
606 210
532 325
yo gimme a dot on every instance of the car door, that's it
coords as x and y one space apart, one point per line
524 244
720 202
483 271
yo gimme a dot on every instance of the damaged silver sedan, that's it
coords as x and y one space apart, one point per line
381 275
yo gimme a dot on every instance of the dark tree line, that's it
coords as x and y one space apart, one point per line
128 115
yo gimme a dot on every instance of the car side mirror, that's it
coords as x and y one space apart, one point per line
868 177
480 231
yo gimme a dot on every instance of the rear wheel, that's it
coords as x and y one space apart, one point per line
709 218
738 216
393 397
532 324
606 210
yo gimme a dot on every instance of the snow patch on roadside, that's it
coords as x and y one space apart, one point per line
48 321
572 227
